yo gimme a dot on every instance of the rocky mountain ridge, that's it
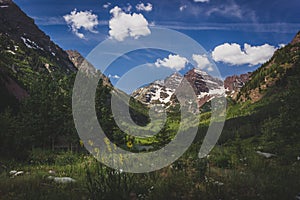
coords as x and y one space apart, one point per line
162 92
82 64
233 84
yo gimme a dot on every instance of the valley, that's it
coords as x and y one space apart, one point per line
42 156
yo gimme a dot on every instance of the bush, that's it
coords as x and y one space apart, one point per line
48 157
66 158
39 157
222 160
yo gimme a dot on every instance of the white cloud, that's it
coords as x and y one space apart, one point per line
173 61
124 25
82 19
232 9
128 8
113 76
281 45
202 1
181 8
144 7
202 62
106 5
252 55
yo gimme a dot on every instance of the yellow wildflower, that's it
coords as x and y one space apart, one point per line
129 144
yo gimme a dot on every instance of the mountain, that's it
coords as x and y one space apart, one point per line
26 52
205 87
81 63
158 91
267 106
266 79
22 30
233 84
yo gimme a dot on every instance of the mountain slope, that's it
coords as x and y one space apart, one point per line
264 81
81 63
21 29
26 52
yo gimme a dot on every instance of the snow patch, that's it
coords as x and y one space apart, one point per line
202 95
159 82
198 71
218 91
31 44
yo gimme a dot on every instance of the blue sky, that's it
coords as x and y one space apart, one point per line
222 27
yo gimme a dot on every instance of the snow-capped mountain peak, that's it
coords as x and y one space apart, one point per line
162 92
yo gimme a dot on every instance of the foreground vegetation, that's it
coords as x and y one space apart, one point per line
233 171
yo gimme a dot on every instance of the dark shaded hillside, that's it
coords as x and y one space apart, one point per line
267 109
7 98
36 78
25 53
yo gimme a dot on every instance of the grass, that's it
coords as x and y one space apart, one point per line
231 172
34 184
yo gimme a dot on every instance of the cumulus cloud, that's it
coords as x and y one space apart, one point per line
82 20
202 62
181 8
124 25
144 7
251 55
173 61
202 1
113 76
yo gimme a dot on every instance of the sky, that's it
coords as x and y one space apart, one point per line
237 36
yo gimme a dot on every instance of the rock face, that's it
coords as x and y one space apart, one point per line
202 82
81 63
15 89
162 92
233 84
296 39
